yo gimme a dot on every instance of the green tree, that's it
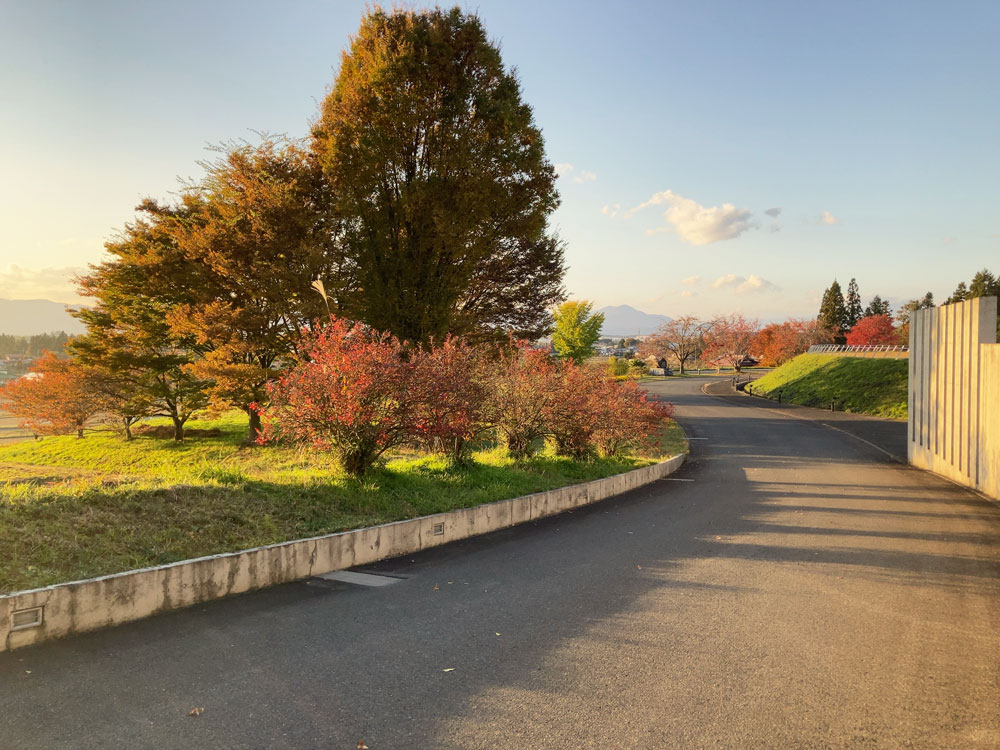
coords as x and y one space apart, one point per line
440 175
984 284
833 313
576 330
128 336
877 306
852 309
960 294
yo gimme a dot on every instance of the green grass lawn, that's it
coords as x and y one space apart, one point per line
862 386
74 508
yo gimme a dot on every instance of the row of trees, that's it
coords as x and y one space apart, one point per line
842 313
725 340
420 201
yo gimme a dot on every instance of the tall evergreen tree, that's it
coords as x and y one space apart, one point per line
833 313
878 306
439 170
984 284
853 304
960 294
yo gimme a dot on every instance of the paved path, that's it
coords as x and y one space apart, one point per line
801 591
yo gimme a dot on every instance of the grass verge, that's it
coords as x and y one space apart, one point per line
862 386
72 509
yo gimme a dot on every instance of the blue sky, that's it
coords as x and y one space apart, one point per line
676 127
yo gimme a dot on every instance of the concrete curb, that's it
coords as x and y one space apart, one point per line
29 617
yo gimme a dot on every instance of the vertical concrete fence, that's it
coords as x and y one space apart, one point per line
954 393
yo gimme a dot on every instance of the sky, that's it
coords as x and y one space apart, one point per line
714 157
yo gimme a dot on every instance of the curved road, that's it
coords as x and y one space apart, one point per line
799 590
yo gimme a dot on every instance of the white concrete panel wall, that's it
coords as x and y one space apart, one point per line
952 379
989 420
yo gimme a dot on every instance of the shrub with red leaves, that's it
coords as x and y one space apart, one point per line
354 396
594 413
630 418
360 393
450 381
523 386
579 406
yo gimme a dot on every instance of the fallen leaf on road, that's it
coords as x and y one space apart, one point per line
197 711
362 745
449 669
436 588
498 634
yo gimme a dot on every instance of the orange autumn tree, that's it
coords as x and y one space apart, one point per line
55 398
777 343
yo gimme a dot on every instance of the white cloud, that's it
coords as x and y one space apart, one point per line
697 224
828 218
43 283
688 293
774 227
585 176
774 213
741 284
691 280
609 210
562 168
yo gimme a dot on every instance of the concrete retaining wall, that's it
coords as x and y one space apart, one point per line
29 617
953 372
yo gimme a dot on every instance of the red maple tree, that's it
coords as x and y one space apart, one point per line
874 330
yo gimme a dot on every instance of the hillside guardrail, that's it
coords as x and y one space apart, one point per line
868 352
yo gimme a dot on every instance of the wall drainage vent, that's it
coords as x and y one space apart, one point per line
22 619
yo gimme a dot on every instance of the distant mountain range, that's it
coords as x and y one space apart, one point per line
625 320
29 317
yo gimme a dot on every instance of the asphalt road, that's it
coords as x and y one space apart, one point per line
801 590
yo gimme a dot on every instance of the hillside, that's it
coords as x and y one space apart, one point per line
862 386
625 320
29 317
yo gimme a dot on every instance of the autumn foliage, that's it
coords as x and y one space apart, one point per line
359 393
592 413
778 343
874 330
55 398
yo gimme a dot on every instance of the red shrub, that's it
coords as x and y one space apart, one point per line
522 391
630 418
450 381
595 413
579 407
355 396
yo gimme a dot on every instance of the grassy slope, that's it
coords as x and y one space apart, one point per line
862 386
74 508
